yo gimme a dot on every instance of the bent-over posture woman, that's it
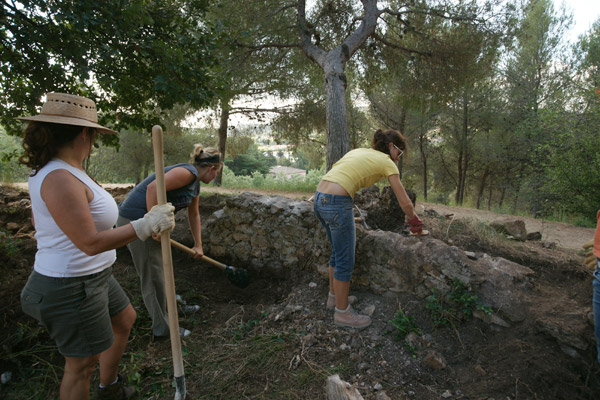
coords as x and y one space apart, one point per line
333 203
182 183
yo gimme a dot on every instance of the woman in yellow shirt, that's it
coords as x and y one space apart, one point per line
333 203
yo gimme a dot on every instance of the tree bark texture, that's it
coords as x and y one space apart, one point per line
422 144
338 136
333 64
223 127
463 157
482 186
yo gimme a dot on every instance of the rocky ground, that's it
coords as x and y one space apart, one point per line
275 340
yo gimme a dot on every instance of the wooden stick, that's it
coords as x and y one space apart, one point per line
161 193
193 253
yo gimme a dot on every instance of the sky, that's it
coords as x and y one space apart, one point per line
585 13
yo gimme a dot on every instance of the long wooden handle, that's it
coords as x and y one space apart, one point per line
161 194
193 253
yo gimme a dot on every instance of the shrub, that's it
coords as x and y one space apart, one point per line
404 325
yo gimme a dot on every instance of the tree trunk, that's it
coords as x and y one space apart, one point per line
464 135
489 205
459 177
401 128
464 177
518 180
514 207
424 162
223 126
338 136
502 194
463 159
333 64
482 186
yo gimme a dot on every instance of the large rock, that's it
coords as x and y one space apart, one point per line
381 209
515 228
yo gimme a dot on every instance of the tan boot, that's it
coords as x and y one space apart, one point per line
116 391
349 318
331 301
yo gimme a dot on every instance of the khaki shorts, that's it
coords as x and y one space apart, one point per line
76 311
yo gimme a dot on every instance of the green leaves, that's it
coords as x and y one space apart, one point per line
130 57
455 306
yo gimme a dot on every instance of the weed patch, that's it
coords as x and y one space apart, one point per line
404 325
455 306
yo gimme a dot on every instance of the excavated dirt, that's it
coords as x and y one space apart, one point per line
480 361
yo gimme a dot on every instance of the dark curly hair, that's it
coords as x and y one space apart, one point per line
382 139
42 140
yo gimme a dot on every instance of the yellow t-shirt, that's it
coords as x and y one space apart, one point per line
361 168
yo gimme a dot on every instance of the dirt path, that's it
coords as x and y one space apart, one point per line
565 235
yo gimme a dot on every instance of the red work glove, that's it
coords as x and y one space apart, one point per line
416 225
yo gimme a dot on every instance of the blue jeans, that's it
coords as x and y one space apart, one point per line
596 305
335 214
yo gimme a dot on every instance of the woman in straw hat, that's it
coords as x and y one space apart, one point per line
182 182
71 290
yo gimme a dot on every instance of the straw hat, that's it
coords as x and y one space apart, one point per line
69 109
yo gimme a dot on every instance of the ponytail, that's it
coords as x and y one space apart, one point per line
382 139
201 157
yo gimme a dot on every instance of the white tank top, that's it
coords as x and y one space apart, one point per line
56 254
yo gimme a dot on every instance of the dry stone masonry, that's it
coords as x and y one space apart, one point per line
275 235
278 236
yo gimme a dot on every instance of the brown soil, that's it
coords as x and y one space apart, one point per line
274 339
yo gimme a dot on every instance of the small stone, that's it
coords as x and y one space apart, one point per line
344 346
382 396
434 360
378 387
447 394
309 340
312 285
5 377
369 310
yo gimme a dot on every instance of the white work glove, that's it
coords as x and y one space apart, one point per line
159 219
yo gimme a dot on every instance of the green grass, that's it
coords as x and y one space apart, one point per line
269 182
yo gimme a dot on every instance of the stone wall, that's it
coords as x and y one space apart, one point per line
280 236
266 233
277 235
